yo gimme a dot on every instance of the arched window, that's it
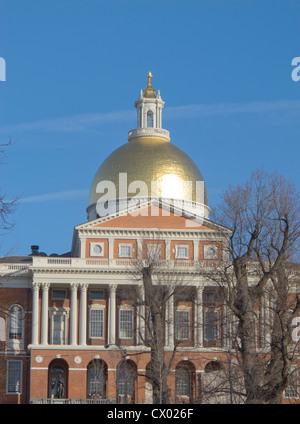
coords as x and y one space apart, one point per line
126 376
96 379
58 379
184 380
213 366
15 322
149 119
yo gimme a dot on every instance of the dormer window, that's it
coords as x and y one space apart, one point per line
150 119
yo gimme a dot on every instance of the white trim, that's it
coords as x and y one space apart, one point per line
183 308
63 312
206 255
125 245
181 246
15 344
92 247
97 307
39 368
125 308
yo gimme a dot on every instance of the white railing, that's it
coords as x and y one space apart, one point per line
149 130
81 263
50 401
105 262
13 269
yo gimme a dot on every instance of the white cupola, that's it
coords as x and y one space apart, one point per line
149 114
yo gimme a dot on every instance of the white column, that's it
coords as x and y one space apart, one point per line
45 306
199 317
112 315
141 316
139 253
83 312
73 322
196 250
35 313
168 257
82 248
111 249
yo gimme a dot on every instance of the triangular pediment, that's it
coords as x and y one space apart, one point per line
152 214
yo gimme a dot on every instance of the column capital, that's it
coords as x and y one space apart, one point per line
113 287
84 286
74 286
36 286
45 286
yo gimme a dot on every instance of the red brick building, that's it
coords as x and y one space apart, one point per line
69 325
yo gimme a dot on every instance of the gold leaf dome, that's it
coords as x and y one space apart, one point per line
148 166
147 160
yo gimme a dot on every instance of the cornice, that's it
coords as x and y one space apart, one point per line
80 271
200 234
107 271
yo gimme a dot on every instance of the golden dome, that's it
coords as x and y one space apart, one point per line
147 160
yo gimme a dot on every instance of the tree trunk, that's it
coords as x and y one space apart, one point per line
244 303
156 305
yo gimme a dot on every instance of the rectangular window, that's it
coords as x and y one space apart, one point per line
126 323
58 325
14 376
211 325
58 329
182 321
292 389
154 251
182 382
97 323
182 252
125 251
96 294
59 294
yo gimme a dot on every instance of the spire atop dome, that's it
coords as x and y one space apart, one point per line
149 114
149 91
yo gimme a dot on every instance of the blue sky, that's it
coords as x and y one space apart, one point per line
75 68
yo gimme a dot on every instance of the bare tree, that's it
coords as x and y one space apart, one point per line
161 284
7 207
263 216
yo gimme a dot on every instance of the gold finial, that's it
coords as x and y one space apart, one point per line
149 91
